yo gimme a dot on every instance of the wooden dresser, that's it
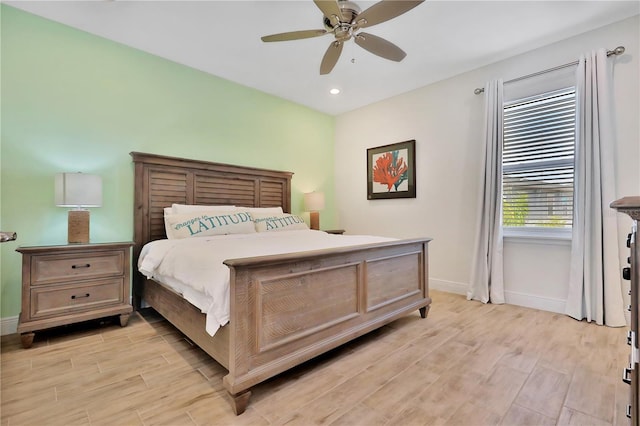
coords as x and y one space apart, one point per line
71 283
631 374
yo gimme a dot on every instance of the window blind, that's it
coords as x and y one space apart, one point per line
537 160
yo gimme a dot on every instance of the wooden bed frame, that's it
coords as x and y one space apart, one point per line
285 309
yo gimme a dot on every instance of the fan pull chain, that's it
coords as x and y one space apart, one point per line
353 53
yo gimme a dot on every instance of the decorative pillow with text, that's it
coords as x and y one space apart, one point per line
203 224
278 222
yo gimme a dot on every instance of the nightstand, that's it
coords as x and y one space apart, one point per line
334 231
71 283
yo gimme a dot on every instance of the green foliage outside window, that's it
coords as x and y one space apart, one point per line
515 210
555 222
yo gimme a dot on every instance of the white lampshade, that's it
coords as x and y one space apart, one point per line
78 190
313 201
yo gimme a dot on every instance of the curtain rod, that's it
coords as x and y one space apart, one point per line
617 51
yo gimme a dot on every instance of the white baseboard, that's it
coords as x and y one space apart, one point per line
8 325
448 286
543 303
511 297
534 301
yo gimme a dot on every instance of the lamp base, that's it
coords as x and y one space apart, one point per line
314 220
78 229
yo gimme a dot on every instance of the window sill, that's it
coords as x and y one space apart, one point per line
546 236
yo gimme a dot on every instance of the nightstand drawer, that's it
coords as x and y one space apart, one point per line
49 269
57 300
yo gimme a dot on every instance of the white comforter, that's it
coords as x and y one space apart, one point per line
193 266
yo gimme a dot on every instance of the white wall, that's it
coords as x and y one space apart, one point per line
445 119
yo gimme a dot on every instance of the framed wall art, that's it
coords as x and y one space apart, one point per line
391 171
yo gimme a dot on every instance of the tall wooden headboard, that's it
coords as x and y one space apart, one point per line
161 181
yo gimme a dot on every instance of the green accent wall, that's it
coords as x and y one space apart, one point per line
72 101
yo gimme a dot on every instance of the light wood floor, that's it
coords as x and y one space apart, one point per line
466 364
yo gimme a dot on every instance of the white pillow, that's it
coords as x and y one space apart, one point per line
203 224
262 210
278 222
190 208
167 211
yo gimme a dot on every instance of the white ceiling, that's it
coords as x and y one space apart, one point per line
441 38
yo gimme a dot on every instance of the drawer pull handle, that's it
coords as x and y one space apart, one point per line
74 297
86 265
625 375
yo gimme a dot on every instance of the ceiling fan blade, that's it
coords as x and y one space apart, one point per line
294 35
383 11
379 46
330 9
330 57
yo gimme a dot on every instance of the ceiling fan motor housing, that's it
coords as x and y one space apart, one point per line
349 12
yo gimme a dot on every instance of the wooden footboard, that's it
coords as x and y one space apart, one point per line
287 309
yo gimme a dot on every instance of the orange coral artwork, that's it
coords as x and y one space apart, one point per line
392 171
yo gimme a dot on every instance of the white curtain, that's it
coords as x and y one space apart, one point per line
486 282
595 290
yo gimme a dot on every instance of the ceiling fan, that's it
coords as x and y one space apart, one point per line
344 19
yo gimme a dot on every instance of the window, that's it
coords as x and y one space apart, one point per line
537 160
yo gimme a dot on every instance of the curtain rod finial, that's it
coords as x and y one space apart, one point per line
617 51
478 91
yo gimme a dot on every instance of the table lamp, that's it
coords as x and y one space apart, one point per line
314 202
78 190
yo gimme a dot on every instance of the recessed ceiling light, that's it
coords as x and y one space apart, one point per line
334 91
